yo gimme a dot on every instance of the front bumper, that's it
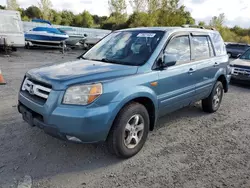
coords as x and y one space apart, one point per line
241 78
89 124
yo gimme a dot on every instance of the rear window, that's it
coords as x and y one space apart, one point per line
219 45
243 47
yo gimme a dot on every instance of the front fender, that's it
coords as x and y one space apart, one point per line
124 97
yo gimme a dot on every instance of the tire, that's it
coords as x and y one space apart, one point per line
120 136
213 102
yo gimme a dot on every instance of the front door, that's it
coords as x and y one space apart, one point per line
177 83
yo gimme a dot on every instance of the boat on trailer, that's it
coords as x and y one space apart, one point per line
75 38
45 35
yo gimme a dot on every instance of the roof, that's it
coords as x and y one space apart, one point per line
168 29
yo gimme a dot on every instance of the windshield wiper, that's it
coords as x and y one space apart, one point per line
110 61
105 60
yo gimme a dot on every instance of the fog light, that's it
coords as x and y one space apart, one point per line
74 139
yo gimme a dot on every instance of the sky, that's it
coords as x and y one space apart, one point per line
237 12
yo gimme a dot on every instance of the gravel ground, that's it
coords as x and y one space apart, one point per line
188 148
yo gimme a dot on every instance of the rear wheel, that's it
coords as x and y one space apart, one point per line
129 131
213 102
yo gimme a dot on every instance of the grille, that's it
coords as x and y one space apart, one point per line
241 71
37 91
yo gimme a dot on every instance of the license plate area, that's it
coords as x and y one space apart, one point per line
27 116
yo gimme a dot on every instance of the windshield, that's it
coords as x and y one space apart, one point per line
126 47
246 55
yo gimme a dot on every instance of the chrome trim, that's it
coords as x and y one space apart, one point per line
242 71
35 89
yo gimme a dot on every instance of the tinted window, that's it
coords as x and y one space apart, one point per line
180 47
242 47
219 44
201 48
246 55
232 46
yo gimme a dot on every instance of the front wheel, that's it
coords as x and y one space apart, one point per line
213 102
130 130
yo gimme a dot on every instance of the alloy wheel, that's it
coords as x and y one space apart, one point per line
134 131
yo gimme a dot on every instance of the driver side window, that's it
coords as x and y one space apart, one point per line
180 48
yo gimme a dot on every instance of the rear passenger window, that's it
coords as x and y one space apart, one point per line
201 47
180 47
211 49
219 45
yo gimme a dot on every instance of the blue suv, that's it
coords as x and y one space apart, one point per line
117 90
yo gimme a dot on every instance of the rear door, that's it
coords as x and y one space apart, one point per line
177 83
204 56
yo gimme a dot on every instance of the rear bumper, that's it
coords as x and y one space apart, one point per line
88 124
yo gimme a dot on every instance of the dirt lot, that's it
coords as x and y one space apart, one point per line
189 148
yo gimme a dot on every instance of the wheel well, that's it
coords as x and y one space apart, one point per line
149 105
223 80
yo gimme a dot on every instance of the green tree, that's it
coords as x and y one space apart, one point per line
174 16
153 6
55 17
138 5
139 19
12 5
84 19
45 7
25 18
2 7
115 21
98 20
202 24
33 12
117 6
67 17
118 16
217 22
188 19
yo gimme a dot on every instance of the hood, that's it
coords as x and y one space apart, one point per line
241 62
80 71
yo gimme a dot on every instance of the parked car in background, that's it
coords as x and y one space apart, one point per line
241 68
236 49
119 88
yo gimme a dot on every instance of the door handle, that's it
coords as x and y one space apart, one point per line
216 64
191 70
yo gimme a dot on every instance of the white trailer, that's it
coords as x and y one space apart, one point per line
11 29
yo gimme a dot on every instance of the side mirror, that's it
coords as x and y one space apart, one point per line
169 60
238 55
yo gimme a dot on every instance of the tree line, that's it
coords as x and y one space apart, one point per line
145 13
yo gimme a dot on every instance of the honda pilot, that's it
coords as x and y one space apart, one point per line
117 90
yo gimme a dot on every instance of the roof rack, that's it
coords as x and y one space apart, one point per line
197 26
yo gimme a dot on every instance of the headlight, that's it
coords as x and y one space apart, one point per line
82 94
